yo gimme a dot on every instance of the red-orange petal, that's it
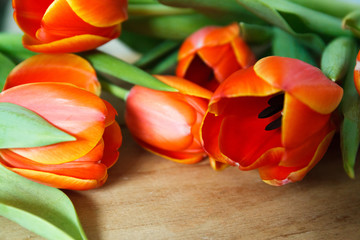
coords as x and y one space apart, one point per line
58 181
300 123
184 86
73 110
357 73
112 140
60 21
28 14
66 68
72 44
208 37
302 80
245 57
100 13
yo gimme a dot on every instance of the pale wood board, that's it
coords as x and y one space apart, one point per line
148 197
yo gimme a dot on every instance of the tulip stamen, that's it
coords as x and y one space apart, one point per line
276 105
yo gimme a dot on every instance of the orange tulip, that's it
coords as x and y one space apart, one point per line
274 117
357 73
76 165
211 54
60 26
66 68
168 123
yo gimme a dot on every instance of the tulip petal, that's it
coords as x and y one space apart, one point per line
77 43
111 114
357 73
171 130
300 123
58 181
71 109
242 83
305 82
60 21
184 86
112 140
78 169
243 137
208 37
245 57
216 165
67 68
28 15
100 13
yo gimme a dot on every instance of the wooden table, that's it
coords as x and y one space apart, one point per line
147 197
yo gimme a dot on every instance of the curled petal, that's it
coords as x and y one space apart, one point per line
66 68
357 73
305 82
59 181
112 139
80 43
71 109
100 13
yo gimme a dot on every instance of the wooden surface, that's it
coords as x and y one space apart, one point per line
147 197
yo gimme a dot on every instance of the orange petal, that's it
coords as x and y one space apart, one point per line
357 73
163 119
110 117
305 82
184 86
208 37
245 57
113 140
72 44
100 13
60 21
67 68
78 169
216 165
71 109
28 15
183 65
59 181
300 123
242 83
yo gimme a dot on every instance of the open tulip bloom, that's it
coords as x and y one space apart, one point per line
274 117
212 53
58 26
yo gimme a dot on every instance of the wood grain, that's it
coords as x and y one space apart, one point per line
147 197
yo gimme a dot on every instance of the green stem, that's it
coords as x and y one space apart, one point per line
114 89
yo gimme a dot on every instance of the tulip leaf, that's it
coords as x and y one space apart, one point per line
350 127
285 45
6 65
168 63
254 33
11 45
352 22
268 10
22 128
119 69
336 57
44 210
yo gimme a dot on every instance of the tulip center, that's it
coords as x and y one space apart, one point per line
276 105
201 74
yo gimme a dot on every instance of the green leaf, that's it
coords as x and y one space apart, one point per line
350 127
6 65
254 33
22 128
267 11
166 65
46 211
285 45
154 9
176 27
352 22
11 46
336 57
117 68
138 42
227 11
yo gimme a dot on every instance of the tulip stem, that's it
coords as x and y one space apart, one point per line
114 89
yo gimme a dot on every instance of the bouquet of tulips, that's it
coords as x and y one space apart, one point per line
253 84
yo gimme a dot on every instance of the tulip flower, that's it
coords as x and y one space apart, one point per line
66 68
274 117
60 26
168 123
211 54
357 73
78 165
